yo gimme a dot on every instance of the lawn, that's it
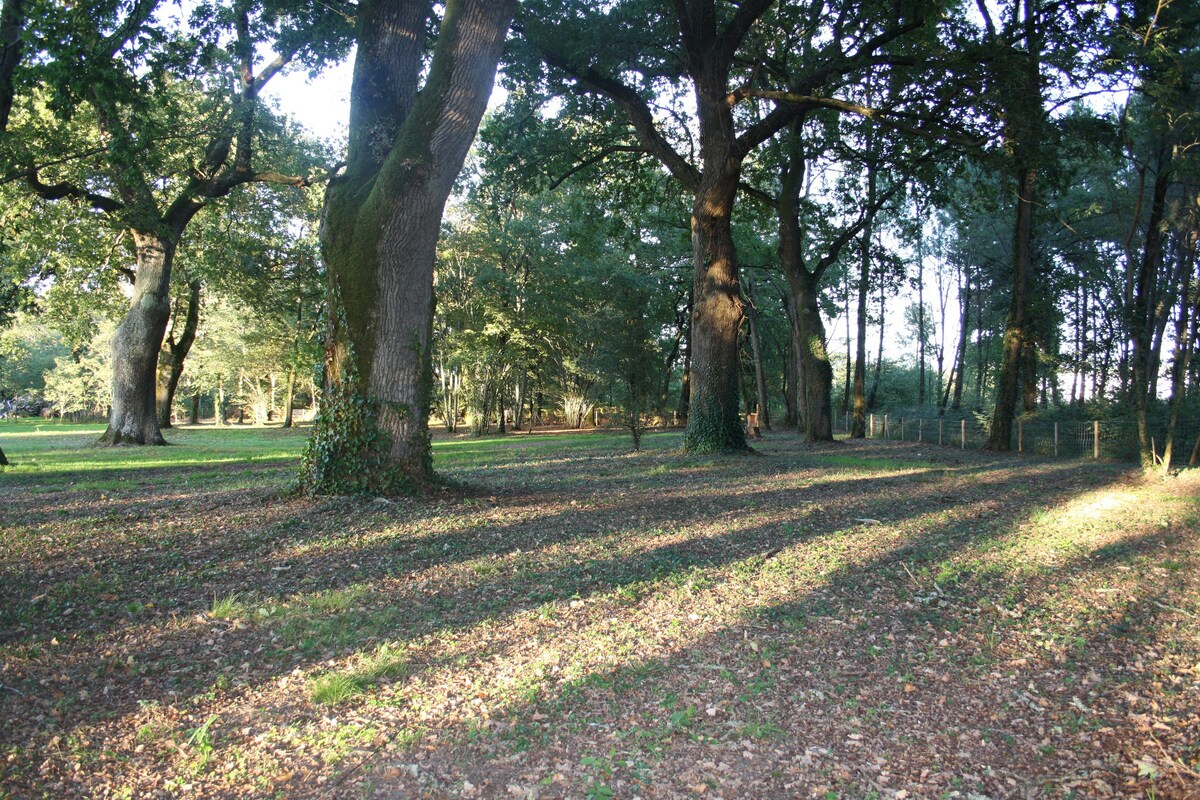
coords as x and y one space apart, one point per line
570 620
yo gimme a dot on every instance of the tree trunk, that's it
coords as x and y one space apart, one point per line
1142 323
714 419
289 405
3 459
815 372
760 376
1008 381
380 231
858 428
849 355
879 356
961 357
135 345
1018 78
791 364
12 20
194 416
1029 377
171 357
920 312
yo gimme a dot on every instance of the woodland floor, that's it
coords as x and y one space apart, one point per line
859 620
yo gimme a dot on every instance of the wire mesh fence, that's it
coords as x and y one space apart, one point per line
1109 439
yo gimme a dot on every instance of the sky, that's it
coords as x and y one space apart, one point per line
320 104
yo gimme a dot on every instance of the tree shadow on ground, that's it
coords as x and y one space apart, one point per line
416 595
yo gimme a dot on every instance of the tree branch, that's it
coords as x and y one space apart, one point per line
881 116
603 154
637 109
57 191
731 38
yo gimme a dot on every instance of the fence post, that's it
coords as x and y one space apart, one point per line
1096 439
1056 439
872 433
964 433
941 432
886 432
1020 436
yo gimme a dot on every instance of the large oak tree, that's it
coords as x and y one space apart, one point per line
383 214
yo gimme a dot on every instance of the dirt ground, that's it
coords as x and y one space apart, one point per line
861 620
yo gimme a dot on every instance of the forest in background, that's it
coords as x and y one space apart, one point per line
981 207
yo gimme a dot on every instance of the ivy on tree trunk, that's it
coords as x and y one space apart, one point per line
379 234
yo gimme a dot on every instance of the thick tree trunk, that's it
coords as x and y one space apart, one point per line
135 345
1008 381
380 231
194 415
1018 78
171 357
714 419
3 459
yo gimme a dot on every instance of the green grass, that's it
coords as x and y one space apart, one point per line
52 456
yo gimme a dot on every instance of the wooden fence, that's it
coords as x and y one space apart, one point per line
1112 439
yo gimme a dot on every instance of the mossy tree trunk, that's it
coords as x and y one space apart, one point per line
135 345
380 231
714 419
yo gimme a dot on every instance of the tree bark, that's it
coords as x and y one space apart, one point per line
1143 320
964 322
1018 80
136 343
815 412
289 406
1029 376
920 311
714 418
858 428
879 356
380 231
12 21
760 375
171 358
